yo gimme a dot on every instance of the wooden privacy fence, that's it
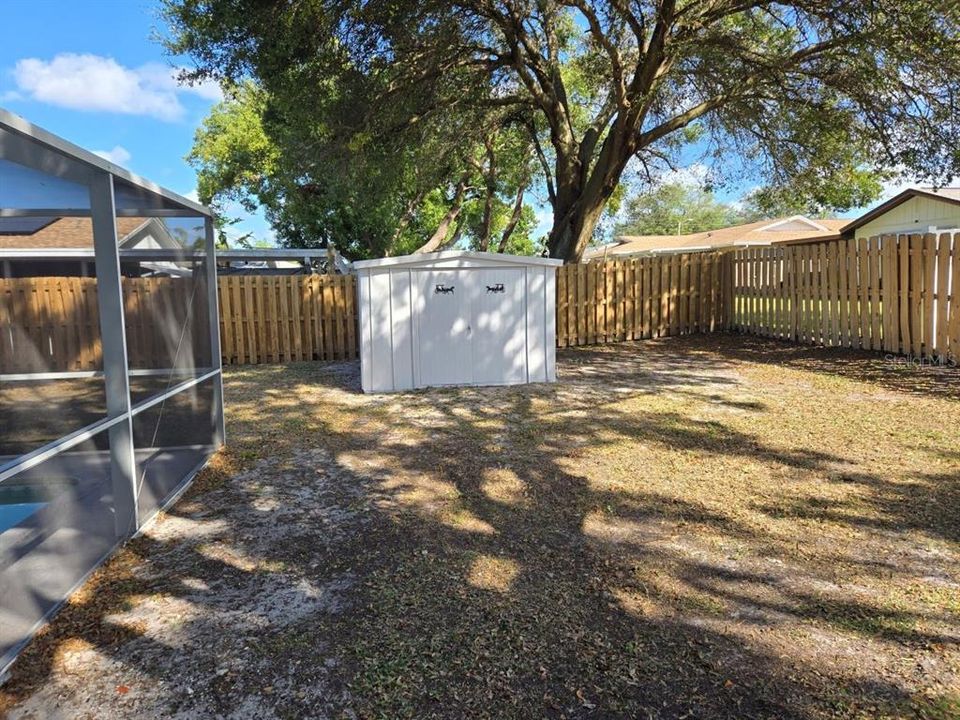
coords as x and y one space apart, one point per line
631 299
49 325
287 318
275 319
52 324
892 293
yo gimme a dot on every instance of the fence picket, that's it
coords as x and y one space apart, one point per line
875 309
321 325
839 249
955 302
903 292
943 279
589 304
832 309
916 294
664 325
889 275
563 298
306 322
929 279
651 301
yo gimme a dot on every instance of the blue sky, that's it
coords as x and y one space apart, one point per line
92 72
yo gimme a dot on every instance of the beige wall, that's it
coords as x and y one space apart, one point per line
917 214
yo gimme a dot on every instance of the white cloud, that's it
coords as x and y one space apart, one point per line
118 156
695 175
164 77
10 96
97 83
898 184
544 217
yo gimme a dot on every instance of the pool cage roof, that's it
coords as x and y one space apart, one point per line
75 497
34 148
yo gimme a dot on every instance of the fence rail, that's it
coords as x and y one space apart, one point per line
893 293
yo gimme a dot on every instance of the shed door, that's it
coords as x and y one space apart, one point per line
499 326
443 328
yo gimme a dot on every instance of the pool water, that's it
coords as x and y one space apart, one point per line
15 513
20 500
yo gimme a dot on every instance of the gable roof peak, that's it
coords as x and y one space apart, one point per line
802 219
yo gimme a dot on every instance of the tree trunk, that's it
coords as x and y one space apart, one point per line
404 221
439 238
572 231
491 186
582 197
457 231
514 219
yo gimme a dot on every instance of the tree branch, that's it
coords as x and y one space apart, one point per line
545 165
616 59
490 192
514 219
439 238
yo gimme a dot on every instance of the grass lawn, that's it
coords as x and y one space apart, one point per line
711 526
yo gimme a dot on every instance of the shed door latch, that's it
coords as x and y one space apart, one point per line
442 289
498 288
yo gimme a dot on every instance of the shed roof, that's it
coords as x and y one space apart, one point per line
454 258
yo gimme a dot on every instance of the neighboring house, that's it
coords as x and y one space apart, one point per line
917 210
29 246
48 247
764 232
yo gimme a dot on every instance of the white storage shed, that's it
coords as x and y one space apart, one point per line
456 318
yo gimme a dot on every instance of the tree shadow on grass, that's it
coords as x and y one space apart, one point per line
478 562
515 607
889 371
201 614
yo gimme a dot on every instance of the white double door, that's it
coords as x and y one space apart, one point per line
471 327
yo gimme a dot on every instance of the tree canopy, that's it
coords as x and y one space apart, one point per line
369 199
816 96
679 208
676 209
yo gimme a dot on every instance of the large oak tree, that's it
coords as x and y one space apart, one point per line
815 94
370 198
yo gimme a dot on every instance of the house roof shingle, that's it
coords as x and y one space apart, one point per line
66 233
763 232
